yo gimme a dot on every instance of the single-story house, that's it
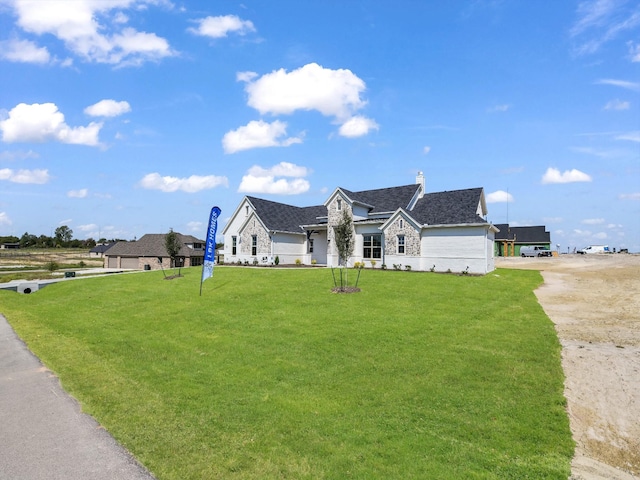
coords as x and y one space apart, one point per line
150 253
99 249
402 226
509 239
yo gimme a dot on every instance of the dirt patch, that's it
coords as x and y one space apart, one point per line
594 302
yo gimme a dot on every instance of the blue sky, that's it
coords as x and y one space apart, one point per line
125 117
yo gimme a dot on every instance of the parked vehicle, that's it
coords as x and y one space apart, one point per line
535 251
594 249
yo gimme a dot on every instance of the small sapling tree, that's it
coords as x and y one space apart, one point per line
343 233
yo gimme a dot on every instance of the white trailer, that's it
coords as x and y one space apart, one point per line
594 249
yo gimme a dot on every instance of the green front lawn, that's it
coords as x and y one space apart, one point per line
270 375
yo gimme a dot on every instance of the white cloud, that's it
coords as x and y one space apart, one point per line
600 236
283 169
257 134
499 196
553 175
426 150
635 86
39 177
44 122
89 227
629 196
499 108
108 108
82 193
90 30
357 127
4 219
23 51
631 136
334 93
263 180
219 27
617 105
600 21
553 219
593 221
192 184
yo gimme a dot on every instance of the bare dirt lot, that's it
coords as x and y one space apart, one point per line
594 302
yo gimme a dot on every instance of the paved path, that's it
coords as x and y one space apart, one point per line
43 433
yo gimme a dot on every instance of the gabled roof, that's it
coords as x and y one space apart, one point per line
101 248
449 208
153 245
384 199
533 234
280 217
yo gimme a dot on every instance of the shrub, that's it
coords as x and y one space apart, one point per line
373 263
298 262
397 266
314 261
407 268
255 261
277 260
383 266
433 269
51 266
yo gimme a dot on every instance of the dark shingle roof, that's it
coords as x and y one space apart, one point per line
385 199
286 218
101 248
533 234
449 208
153 245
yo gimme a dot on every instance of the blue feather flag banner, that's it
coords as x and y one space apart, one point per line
210 246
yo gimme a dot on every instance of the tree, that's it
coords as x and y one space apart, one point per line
343 233
344 238
28 240
63 235
172 245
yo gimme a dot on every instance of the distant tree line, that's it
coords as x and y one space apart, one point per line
63 238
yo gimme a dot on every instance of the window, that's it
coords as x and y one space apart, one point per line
311 245
339 204
400 223
246 211
401 244
234 245
372 246
196 261
254 245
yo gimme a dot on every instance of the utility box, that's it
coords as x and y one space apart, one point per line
69 274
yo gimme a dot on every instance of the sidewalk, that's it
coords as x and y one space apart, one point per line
43 433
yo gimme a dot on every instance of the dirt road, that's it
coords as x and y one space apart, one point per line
594 302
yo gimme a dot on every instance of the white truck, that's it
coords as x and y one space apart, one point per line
594 249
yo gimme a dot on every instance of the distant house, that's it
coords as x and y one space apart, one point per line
402 226
9 246
509 240
150 253
98 250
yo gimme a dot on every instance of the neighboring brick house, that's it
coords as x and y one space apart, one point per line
510 239
150 253
398 225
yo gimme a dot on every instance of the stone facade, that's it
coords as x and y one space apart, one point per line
254 227
411 238
334 218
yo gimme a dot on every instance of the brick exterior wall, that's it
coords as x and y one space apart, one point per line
254 227
411 238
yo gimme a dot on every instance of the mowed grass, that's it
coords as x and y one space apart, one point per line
269 375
